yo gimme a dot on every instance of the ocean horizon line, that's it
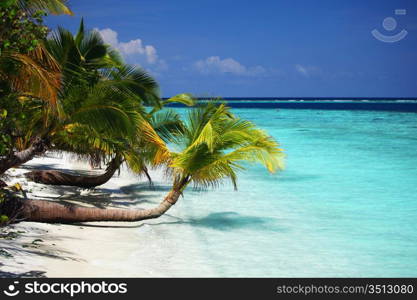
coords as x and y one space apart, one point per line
306 98
370 104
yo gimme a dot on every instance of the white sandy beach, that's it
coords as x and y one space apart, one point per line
101 249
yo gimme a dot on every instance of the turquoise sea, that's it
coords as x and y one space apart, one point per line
345 206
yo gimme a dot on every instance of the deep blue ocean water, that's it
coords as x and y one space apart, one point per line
346 204
372 104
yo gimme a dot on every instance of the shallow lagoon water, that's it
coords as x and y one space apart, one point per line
345 205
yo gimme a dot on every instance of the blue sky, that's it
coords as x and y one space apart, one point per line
283 48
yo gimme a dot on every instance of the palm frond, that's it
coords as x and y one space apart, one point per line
55 7
167 124
139 82
37 74
186 99
215 143
154 144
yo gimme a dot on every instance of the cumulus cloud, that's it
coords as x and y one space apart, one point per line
214 64
134 48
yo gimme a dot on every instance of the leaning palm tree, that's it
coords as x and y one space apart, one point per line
108 121
213 147
94 119
89 65
85 62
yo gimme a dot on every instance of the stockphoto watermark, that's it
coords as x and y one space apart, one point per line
71 289
390 25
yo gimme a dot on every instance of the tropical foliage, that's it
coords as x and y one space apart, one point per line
214 143
27 70
103 104
74 93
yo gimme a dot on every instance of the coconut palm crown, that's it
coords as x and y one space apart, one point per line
214 145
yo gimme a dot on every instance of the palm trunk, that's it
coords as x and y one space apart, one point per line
50 212
53 177
18 158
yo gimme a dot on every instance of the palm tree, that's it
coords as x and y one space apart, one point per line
90 68
83 57
31 75
144 145
214 144
98 119
97 90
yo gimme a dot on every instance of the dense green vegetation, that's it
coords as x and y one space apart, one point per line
74 93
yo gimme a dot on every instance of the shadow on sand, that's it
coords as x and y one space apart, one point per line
28 248
29 274
223 221
127 196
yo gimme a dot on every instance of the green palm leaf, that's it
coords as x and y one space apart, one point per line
55 7
215 144
167 124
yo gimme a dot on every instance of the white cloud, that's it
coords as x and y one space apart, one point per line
302 70
307 71
214 64
135 49
109 36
